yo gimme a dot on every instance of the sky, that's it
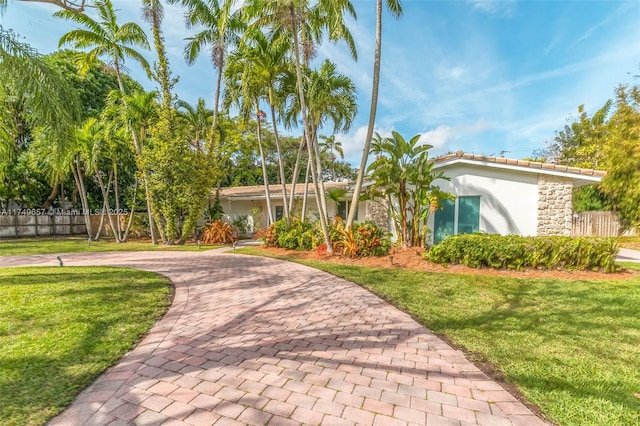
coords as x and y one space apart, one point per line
482 76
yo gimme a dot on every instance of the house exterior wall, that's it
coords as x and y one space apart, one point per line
555 207
508 199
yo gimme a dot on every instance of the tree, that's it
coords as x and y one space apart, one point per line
395 8
402 175
622 154
38 103
222 25
244 89
296 17
198 121
153 13
107 38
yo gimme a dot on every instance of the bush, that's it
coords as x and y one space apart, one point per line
364 239
517 252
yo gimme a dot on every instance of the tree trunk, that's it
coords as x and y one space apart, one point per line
77 176
52 195
280 163
305 122
216 100
357 190
264 169
133 209
306 192
296 171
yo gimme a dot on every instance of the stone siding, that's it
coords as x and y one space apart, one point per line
378 213
554 205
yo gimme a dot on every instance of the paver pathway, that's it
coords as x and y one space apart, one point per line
250 340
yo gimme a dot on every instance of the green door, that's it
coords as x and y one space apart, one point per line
443 221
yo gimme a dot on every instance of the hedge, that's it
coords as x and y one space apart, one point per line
517 252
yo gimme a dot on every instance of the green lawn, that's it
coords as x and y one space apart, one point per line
30 246
571 347
630 242
60 328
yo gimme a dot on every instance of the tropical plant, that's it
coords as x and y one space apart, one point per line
106 38
402 174
221 23
296 18
245 89
218 232
395 7
198 121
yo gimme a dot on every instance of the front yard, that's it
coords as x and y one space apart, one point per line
570 346
61 328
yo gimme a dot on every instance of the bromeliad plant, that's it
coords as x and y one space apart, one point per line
403 176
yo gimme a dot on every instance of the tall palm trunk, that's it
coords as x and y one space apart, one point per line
283 182
305 122
138 149
306 193
296 172
216 100
357 190
267 194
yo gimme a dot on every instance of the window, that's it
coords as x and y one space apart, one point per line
342 209
461 216
279 212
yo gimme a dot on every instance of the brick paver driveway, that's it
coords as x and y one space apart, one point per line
251 340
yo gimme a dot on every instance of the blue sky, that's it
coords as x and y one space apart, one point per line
480 76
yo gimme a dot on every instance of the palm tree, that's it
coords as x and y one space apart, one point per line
330 97
245 89
332 146
395 8
298 17
221 28
35 96
198 120
267 57
106 37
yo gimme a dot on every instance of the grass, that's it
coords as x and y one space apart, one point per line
29 246
60 328
571 347
630 242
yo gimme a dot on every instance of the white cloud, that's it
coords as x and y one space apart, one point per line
353 142
494 7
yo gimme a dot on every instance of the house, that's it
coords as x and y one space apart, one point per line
250 201
506 196
493 194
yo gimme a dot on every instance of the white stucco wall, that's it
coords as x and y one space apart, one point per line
508 199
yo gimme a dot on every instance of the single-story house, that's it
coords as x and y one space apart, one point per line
250 201
493 194
506 196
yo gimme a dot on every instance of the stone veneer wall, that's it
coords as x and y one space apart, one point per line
554 205
378 213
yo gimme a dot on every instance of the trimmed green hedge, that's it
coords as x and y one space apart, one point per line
517 252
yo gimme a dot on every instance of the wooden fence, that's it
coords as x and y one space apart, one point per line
41 225
596 224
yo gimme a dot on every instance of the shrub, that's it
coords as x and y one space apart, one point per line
241 223
517 252
218 232
363 239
